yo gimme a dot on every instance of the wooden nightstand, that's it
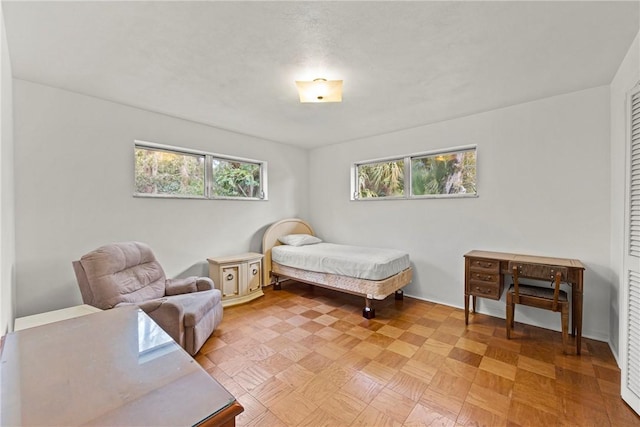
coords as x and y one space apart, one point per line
239 277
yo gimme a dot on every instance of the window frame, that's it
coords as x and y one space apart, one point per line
355 180
208 172
408 175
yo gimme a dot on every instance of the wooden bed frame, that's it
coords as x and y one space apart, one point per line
369 289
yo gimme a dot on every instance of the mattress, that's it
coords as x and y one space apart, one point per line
352 261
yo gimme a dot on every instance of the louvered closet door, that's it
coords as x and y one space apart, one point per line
630 310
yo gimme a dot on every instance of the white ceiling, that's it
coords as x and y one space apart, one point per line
404 64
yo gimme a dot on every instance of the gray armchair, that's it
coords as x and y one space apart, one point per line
128 273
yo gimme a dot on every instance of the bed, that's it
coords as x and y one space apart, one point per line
389 272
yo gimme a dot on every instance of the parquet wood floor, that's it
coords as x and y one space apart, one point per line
305 356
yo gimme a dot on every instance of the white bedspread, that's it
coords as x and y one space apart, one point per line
353 261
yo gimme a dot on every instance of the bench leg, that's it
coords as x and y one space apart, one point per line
564 317
509 321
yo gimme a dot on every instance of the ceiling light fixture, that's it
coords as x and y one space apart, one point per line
320 90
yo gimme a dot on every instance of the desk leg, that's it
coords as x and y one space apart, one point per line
466 309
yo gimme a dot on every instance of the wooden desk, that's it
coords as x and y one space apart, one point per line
115 367
484 273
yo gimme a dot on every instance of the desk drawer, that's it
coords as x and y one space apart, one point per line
478 275
483 278
484 289
484 265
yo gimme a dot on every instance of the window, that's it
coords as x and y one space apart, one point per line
163 171
381 179
169 173
444 173
235 178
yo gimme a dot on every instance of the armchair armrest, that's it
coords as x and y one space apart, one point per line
204 284
160 305
180 286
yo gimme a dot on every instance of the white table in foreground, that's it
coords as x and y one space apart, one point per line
112 368
53 316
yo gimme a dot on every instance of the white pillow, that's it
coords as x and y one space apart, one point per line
299 239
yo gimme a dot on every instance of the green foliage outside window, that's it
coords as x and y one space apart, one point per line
163 172
385 179
235 179
450 173
446 173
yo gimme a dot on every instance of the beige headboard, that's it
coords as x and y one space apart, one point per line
270 239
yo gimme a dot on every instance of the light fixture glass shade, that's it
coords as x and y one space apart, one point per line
320 90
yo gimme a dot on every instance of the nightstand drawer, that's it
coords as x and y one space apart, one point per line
254 275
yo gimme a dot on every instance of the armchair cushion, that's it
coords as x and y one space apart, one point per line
132 265
196 305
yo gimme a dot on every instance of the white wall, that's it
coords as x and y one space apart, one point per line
74 184
543 177
543 184
627 77
7 233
